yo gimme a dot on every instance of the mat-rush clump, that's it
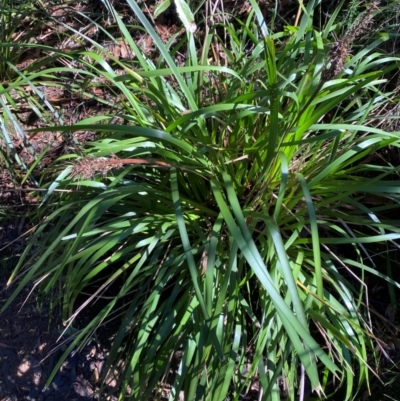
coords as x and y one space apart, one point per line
235 251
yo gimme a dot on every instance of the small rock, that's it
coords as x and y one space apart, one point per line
27 364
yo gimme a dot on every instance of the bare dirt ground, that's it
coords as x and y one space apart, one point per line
27 357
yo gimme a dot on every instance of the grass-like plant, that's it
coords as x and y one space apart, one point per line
29 66
25 70
225 223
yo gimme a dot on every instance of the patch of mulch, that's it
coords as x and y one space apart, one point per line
29 334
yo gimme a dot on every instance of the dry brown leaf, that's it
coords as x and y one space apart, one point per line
125 51
116 51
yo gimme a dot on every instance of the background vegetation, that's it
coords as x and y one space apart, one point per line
232 197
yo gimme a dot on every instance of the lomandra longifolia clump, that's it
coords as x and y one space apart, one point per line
226 215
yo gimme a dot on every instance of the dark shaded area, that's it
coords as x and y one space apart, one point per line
29 334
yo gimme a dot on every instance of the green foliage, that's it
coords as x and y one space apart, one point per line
226 215
20 73
183 11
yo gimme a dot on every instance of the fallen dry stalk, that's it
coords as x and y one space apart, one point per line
89 167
